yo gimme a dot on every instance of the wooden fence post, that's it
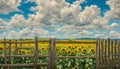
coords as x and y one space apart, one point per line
114 46
49 55
5 61
97 53
112 61
119 53
105 55
109 53
102 54
53 54
36 53
5 58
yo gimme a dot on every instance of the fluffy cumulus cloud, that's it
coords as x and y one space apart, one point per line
62 17
114 9
17 21
7 6
50 12
19 27
24 33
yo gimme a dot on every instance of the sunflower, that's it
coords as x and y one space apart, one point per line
42 49
75 50
28 52
92 50
1 48
79 49
76 46
20 52
83 50
63 49
70 47
23 52
69 52
82 47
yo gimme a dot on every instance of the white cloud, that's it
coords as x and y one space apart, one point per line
12 34
67 29
99 35
55 12
81 34
114 34
18 27
17 21
85 32
113 25
3 24
3 35
65 18
26 33
7 6
89 14
114 12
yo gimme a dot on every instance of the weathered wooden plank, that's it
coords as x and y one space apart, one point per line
5 58
114 53
30 56
53 49
97 53
105 54
16 56
49 55
102 58
112 63
80 57
14 65
109 53
23 64
36 53
119 53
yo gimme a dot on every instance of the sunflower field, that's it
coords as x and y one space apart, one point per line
62 49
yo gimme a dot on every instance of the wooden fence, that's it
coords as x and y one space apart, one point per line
35 55
107 54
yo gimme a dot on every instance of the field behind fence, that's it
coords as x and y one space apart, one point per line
107 54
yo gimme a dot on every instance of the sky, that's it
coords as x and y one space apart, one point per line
59 19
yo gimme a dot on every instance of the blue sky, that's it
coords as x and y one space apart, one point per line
60 19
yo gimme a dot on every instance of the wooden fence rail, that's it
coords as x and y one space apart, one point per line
107 53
